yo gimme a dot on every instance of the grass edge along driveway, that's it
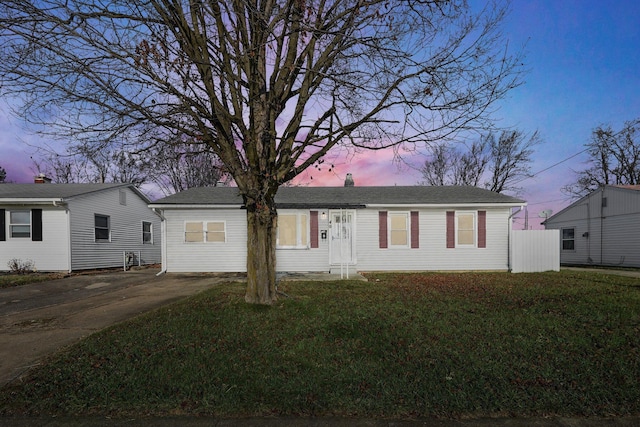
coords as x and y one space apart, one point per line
401 345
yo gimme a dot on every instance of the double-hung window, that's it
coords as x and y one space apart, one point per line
102 228
147 233
568 239
465 229
293 230
205 232
399 229
20 224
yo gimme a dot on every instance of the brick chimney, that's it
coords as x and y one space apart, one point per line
41 179
348 181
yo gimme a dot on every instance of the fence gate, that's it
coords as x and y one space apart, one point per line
533 251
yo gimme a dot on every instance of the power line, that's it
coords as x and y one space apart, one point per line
552 166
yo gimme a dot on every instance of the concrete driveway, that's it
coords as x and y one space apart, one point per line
39 319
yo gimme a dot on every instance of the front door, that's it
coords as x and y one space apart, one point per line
342 233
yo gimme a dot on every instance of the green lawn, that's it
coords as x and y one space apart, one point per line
401 345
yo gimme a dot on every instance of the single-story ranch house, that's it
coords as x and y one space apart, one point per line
68 227
338 229
602 228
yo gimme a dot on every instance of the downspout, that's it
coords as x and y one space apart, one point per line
601 226
163 244
589 234
509 227
68 214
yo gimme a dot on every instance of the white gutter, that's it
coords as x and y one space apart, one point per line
509 227
447 205
32 201
203 206
69 252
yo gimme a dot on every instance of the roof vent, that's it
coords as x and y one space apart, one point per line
41 179
348 181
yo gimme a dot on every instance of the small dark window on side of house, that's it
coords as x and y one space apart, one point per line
147 233
568 239
102 228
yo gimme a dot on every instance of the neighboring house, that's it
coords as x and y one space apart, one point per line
343 229
602 228
66 227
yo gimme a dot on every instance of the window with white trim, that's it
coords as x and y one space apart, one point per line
568 239
102 228
147 233
20 224
293 230
205 232
399 229
465 228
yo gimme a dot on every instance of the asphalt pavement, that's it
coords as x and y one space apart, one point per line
41 318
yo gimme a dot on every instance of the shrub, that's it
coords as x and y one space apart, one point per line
18 266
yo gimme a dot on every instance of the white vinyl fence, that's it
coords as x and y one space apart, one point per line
535 251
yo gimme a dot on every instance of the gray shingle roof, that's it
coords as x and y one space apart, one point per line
50 191
344 197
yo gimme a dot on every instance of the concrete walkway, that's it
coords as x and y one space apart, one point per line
626 273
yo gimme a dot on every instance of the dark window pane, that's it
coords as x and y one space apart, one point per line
102 221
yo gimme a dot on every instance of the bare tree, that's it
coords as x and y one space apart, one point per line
270 85
510 158
99 166
63 169
614 159
501 162
436 169
3 174
181 165
469 167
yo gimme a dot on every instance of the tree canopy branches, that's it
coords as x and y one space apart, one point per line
501 162
270 86
614 159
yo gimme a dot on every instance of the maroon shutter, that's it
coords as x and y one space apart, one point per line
3 235
482 229
382 229
415 230
314 229
451 229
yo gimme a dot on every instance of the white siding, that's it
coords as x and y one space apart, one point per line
126 230
433 253
608 233
230 256
305 260
52 253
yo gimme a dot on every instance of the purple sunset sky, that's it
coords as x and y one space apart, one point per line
584 62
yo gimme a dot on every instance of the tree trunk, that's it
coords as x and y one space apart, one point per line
261 253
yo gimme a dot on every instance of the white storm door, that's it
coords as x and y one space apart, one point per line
342 231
